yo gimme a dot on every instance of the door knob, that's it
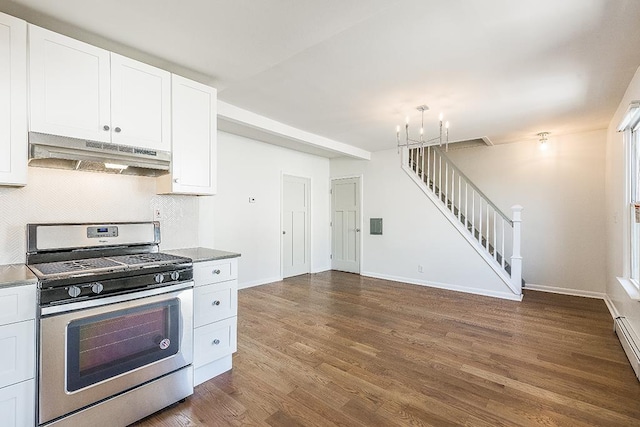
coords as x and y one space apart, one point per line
284 232
357 230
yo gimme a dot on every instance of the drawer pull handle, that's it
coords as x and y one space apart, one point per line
216 302
216 271
216 341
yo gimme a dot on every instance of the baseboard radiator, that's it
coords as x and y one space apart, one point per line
629 341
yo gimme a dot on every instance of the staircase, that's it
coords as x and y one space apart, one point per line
493 234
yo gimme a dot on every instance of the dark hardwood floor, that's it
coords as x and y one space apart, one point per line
339 349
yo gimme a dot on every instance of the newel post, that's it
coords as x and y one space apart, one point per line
516 257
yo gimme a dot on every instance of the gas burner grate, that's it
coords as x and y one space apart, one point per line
72 266
147 258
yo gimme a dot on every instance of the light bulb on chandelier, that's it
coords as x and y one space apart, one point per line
442 138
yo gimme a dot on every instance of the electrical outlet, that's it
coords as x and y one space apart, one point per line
157 215
419 268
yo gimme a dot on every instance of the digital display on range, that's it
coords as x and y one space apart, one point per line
107 231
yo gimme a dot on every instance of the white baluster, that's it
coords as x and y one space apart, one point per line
480 222
440 176
502 250
516 257
495 237
422 164
459 198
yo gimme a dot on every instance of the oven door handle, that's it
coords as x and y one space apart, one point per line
72 306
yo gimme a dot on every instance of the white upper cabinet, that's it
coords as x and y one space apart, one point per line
140 104
194 143
69 83
13 101
82 91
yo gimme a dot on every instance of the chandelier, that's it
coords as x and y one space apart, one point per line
442 138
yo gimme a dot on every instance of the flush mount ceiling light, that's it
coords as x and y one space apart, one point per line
443 137
544 138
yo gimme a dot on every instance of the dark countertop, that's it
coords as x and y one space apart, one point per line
202 254
16 275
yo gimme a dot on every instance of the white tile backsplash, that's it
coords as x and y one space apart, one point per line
53 195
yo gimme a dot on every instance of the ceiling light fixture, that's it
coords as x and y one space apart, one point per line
544 138
443 137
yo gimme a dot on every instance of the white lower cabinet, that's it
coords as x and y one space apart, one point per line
17 404
215 314
17 358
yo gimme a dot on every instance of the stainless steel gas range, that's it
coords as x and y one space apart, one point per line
115 323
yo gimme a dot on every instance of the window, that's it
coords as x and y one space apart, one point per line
634 205
630 125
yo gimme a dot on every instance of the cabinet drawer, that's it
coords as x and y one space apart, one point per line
17 358
215 271
17 303
17 404
213 341
215 302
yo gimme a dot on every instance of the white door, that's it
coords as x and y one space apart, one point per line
69 85
295 225
140 104
193 153
13 100
345 206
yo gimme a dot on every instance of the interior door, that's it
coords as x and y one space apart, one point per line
345 239
295 226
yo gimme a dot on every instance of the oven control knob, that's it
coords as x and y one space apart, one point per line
175 275
97 287
159 278
74 291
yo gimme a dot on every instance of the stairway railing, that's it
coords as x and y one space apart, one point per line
492 229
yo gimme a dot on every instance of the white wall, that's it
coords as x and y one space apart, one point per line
248 168
617 213
415 232
71 196
562 190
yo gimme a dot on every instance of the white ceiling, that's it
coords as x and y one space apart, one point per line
351 70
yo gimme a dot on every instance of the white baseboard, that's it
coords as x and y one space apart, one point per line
612 308
258 282
476 291
564 291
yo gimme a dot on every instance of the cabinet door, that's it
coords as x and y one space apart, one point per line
193 154
69 86
17 404
13 101
17 358
140 104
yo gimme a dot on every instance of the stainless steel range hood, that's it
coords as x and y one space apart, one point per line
59 152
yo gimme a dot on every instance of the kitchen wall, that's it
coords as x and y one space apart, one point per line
415 232
248 168
617 213
71 196
562 190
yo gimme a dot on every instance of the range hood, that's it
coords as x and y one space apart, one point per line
60 152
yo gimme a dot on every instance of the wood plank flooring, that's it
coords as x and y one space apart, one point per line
339 349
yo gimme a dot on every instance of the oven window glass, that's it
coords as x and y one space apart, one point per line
103 346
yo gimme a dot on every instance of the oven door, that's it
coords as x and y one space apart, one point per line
94 353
